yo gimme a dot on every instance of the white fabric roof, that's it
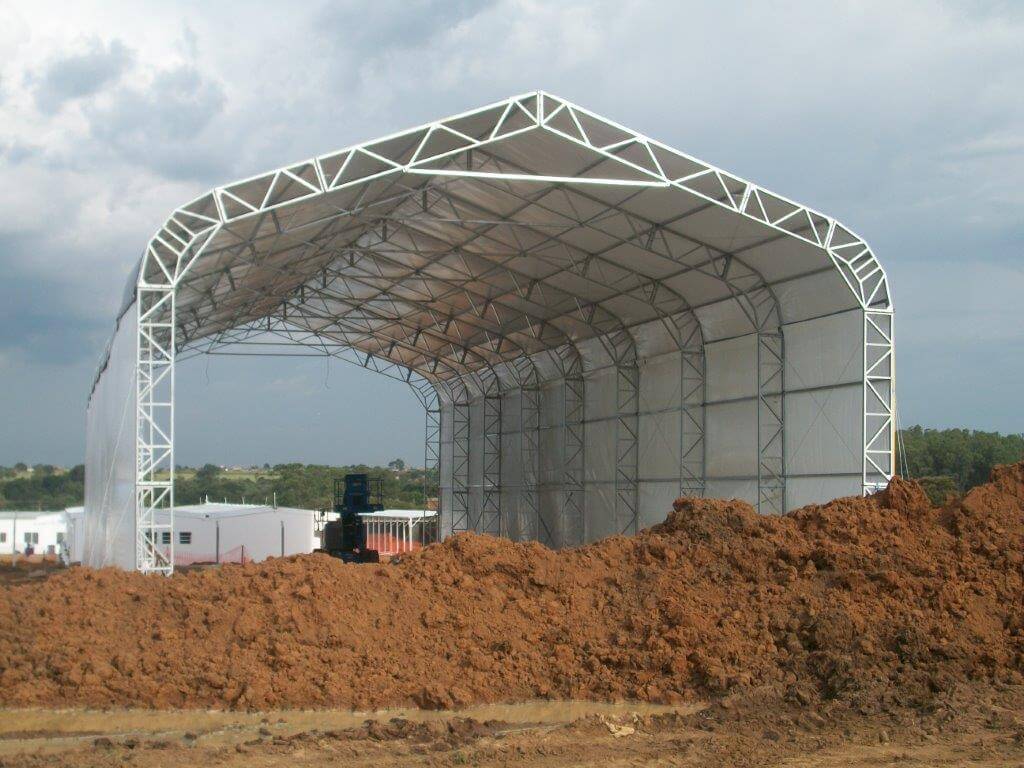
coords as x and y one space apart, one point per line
482 256
457 247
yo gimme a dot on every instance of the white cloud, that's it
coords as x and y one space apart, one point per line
905 121
77 75
160 124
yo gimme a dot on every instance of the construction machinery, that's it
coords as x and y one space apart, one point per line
345 537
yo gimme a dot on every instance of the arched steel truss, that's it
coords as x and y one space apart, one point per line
470 258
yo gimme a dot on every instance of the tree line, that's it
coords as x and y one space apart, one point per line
946 462
306 486
952 461
43 486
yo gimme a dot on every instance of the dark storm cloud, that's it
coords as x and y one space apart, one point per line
904 121
37 322
372 29
160 126
80 75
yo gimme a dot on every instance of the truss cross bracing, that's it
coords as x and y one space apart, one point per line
570 521
460 468
490 519
593 321
431 446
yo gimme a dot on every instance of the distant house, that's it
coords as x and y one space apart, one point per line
41 533
215 532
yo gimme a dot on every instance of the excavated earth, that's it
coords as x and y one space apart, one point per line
869 604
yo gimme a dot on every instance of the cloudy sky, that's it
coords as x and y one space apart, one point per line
905 121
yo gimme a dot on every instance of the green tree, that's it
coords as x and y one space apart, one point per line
207 473
964 456
44 491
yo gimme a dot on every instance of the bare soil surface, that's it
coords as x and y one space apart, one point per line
846 631
28 570
983 730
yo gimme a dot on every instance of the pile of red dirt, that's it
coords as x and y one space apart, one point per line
877 600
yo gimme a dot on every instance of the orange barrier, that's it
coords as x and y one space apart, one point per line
234 555
388 544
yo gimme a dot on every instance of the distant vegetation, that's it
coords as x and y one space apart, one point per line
946 461
951 461
307 486
295 485
43 486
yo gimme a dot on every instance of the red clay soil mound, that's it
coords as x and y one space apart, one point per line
879 601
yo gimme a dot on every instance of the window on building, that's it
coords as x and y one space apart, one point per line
60 537
165 537
31 537
185 537
3 537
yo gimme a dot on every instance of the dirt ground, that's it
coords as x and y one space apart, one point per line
28 570
982 730
859 632
886 598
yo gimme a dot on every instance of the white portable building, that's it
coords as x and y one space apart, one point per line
42 531
214 532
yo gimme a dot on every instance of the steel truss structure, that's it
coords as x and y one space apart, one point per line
593 321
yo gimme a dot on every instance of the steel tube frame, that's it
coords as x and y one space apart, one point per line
260 210
154 442
771 455
490 518
572 518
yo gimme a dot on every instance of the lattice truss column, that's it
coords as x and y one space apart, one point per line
622 349
571 519
771 465
530 524
879 401
154 479
432 437
460 467
431 449
689 337
489 519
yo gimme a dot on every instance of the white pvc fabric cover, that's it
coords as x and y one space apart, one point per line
110 431
595 322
